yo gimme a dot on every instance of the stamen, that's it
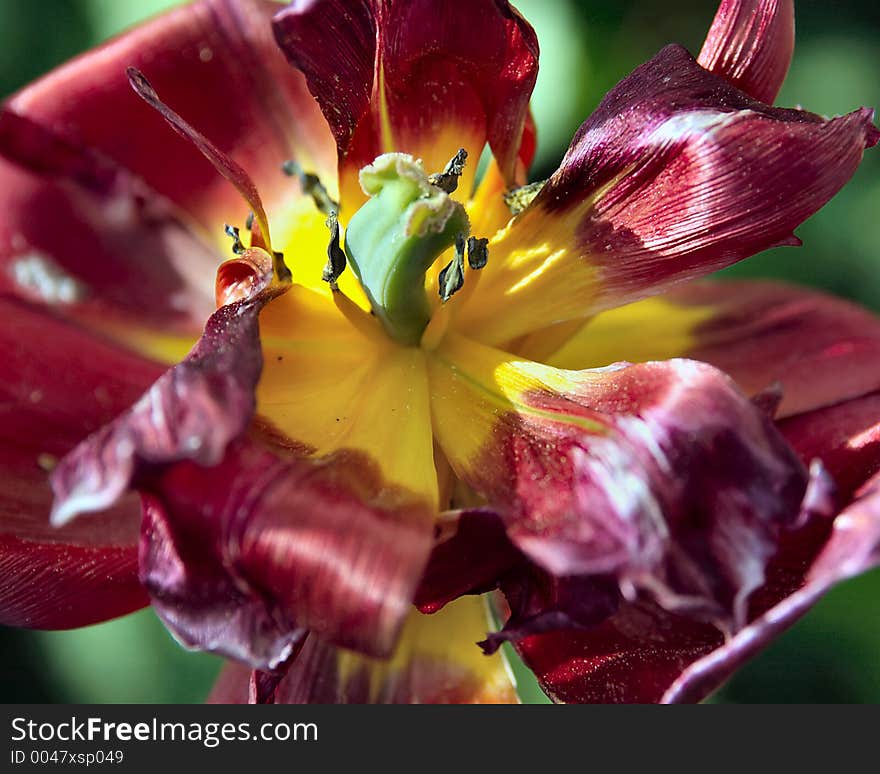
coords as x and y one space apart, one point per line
520 198
221 162
311 186
249 220
336 260
232 232
478 252
452 277
281 270
447 180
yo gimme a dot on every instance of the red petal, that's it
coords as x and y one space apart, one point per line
217 60
469 556
846 437
79 233
57 385
675 175
412 77
750 43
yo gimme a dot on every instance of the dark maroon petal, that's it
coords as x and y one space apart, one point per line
217 61
79 233
435 68
470 554
333 42
57 384
632 657
751 43
540 602
852 548
709 175
675 175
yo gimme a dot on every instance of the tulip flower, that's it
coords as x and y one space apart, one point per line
363 396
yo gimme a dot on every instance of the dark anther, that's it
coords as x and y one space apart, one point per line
447 180
478 252
335 254
452 277
249 221
281 270
311 186
520 198
232 232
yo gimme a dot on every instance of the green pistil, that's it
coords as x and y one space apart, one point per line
395 237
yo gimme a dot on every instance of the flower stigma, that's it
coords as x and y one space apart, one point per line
408 222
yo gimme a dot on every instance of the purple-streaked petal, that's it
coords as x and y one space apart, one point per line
661 475
750 43
192 412
852 548
646 654
675 175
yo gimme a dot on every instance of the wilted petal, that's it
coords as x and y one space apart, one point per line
59 384
819 349
192 412
644 653
401 76
675 175
436 662
243 557
247 542
852 548
750 43
661 475
215 59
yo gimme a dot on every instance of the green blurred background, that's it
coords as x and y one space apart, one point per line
833 655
